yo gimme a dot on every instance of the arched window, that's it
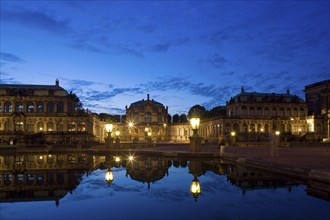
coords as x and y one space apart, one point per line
60 126
8 107
266 128
282 128
40 126
40 107
81 126
289 128
30 107
259 111
295 112
259 127
19 107
252 128
274 112
288 112
251 111
50 107
19 126
148 117
244 110
72 126
245 128
281 113
60 107
266 111
50 126
30 126
302 112
318 128
0 107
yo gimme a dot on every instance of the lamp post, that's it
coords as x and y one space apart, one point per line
195 188
275 145
195 139
233 138
117 133
109 139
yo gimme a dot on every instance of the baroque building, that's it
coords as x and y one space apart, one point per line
146 117
318 101
44 114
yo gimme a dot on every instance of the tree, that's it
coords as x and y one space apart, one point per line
176 118
183 118
77 103
217 111
197 111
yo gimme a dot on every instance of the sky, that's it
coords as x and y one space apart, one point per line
182 53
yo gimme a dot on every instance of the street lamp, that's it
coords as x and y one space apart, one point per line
108 128
109 176
195 126
277 133
233 133
109 139
195 139
117 133
195 188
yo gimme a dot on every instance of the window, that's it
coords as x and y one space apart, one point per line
40 107
50 126
252 111
19 107
259 127
245 128
244 110
295 112
288 112
252 128
72 126
8 107
274 112
82 126
160 117
30 107
281 113
50 107
60 107
267 113
19 126
30 126
40 126
259 111
8 126
148 117
266 128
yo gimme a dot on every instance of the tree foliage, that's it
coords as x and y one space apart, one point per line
197 111
183 118
176 118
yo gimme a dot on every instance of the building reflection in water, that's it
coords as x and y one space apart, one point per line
49 176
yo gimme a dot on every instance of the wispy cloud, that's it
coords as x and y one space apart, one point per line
10 57
36 19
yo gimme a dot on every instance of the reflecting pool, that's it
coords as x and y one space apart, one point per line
81 185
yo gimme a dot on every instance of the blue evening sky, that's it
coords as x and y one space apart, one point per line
113 53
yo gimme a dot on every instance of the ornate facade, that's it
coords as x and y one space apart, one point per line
318 102
44 113
146 116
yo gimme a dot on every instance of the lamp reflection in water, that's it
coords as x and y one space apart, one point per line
195 188
109 177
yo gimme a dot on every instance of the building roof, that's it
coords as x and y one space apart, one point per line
143 102
265 97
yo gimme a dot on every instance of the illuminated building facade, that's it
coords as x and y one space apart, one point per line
44 113
318 102
146 118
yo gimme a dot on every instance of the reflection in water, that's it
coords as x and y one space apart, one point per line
50 176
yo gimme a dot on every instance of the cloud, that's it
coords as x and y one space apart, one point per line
10 57
215 60
161 47
36 19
